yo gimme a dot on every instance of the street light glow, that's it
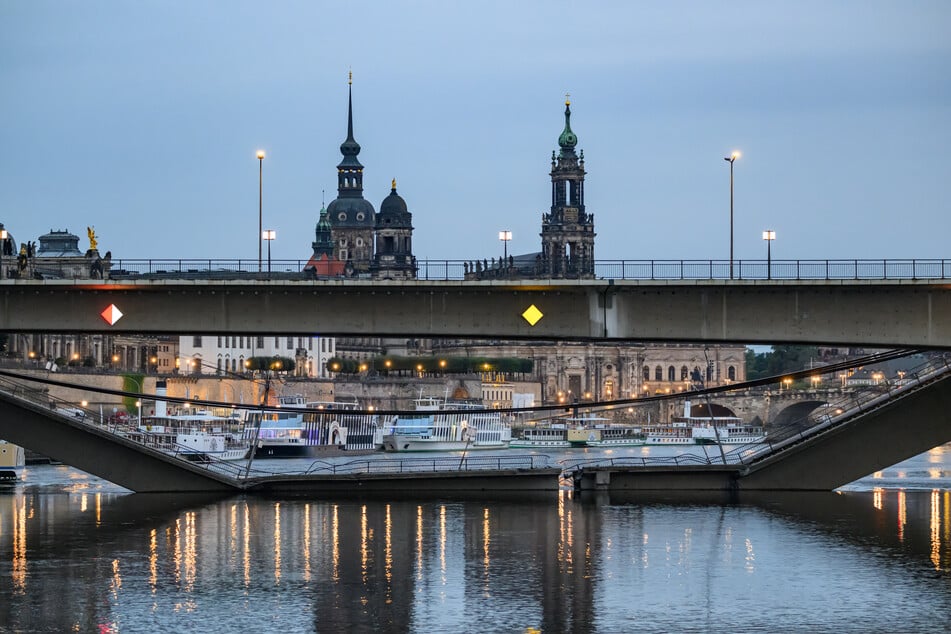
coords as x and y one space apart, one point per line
260 154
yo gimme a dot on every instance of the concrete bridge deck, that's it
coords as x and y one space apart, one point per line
883 313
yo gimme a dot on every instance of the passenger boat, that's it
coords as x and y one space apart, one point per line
578 431
198 437
700 428
298 433
12 462
441 425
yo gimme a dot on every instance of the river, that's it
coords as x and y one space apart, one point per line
80 554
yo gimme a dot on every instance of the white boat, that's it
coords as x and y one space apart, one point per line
578 431
12 462
198 437
543 434
296 433
442 425
701 428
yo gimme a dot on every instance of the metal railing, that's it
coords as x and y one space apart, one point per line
429 465
449 270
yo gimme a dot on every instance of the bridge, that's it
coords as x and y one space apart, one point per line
893 305
881 313
855 437
886 303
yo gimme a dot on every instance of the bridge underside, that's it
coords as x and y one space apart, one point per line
896 313
101 453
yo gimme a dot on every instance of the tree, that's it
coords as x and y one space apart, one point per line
781 360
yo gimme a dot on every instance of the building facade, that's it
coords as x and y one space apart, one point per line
364 243
220 354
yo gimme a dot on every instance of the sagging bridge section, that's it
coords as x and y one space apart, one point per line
861 436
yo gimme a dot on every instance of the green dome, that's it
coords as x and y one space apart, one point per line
568 139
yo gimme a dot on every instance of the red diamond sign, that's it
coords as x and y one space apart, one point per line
111 314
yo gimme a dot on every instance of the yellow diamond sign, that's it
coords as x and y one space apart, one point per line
532 315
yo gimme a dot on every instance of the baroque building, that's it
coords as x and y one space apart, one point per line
567 229
352 217
361 242
393 258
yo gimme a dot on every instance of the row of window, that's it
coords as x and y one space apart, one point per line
684 373
240 341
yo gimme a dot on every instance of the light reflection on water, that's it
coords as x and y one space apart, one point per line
872 557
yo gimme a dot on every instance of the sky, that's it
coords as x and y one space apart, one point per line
142 120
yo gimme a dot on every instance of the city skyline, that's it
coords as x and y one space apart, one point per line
144 123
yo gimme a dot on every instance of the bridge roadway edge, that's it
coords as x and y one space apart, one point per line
102 453
883 313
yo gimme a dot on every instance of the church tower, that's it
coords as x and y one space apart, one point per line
394 259
567 230
351 217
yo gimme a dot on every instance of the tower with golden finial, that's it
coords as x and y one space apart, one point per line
393 258
567 229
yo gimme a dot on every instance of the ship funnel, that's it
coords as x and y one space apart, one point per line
687 408
160 405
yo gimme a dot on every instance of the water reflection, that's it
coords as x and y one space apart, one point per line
555 562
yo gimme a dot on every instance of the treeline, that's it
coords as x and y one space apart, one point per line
780 360
431 365
275 364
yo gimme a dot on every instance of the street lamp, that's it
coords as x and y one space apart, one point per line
730 159
769 235
260 202
269 235
3 245
505 236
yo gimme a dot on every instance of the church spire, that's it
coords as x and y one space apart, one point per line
350 170
350 148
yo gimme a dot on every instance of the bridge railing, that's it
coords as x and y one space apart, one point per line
422 465
450 270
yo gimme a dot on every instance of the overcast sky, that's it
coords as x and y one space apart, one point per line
142 119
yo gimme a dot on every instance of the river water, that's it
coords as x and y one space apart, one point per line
80 554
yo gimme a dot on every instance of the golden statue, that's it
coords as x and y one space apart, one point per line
394 184
92 237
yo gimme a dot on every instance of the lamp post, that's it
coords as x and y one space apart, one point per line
3 246
731 159
269 235
505 236
769 235
260 156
